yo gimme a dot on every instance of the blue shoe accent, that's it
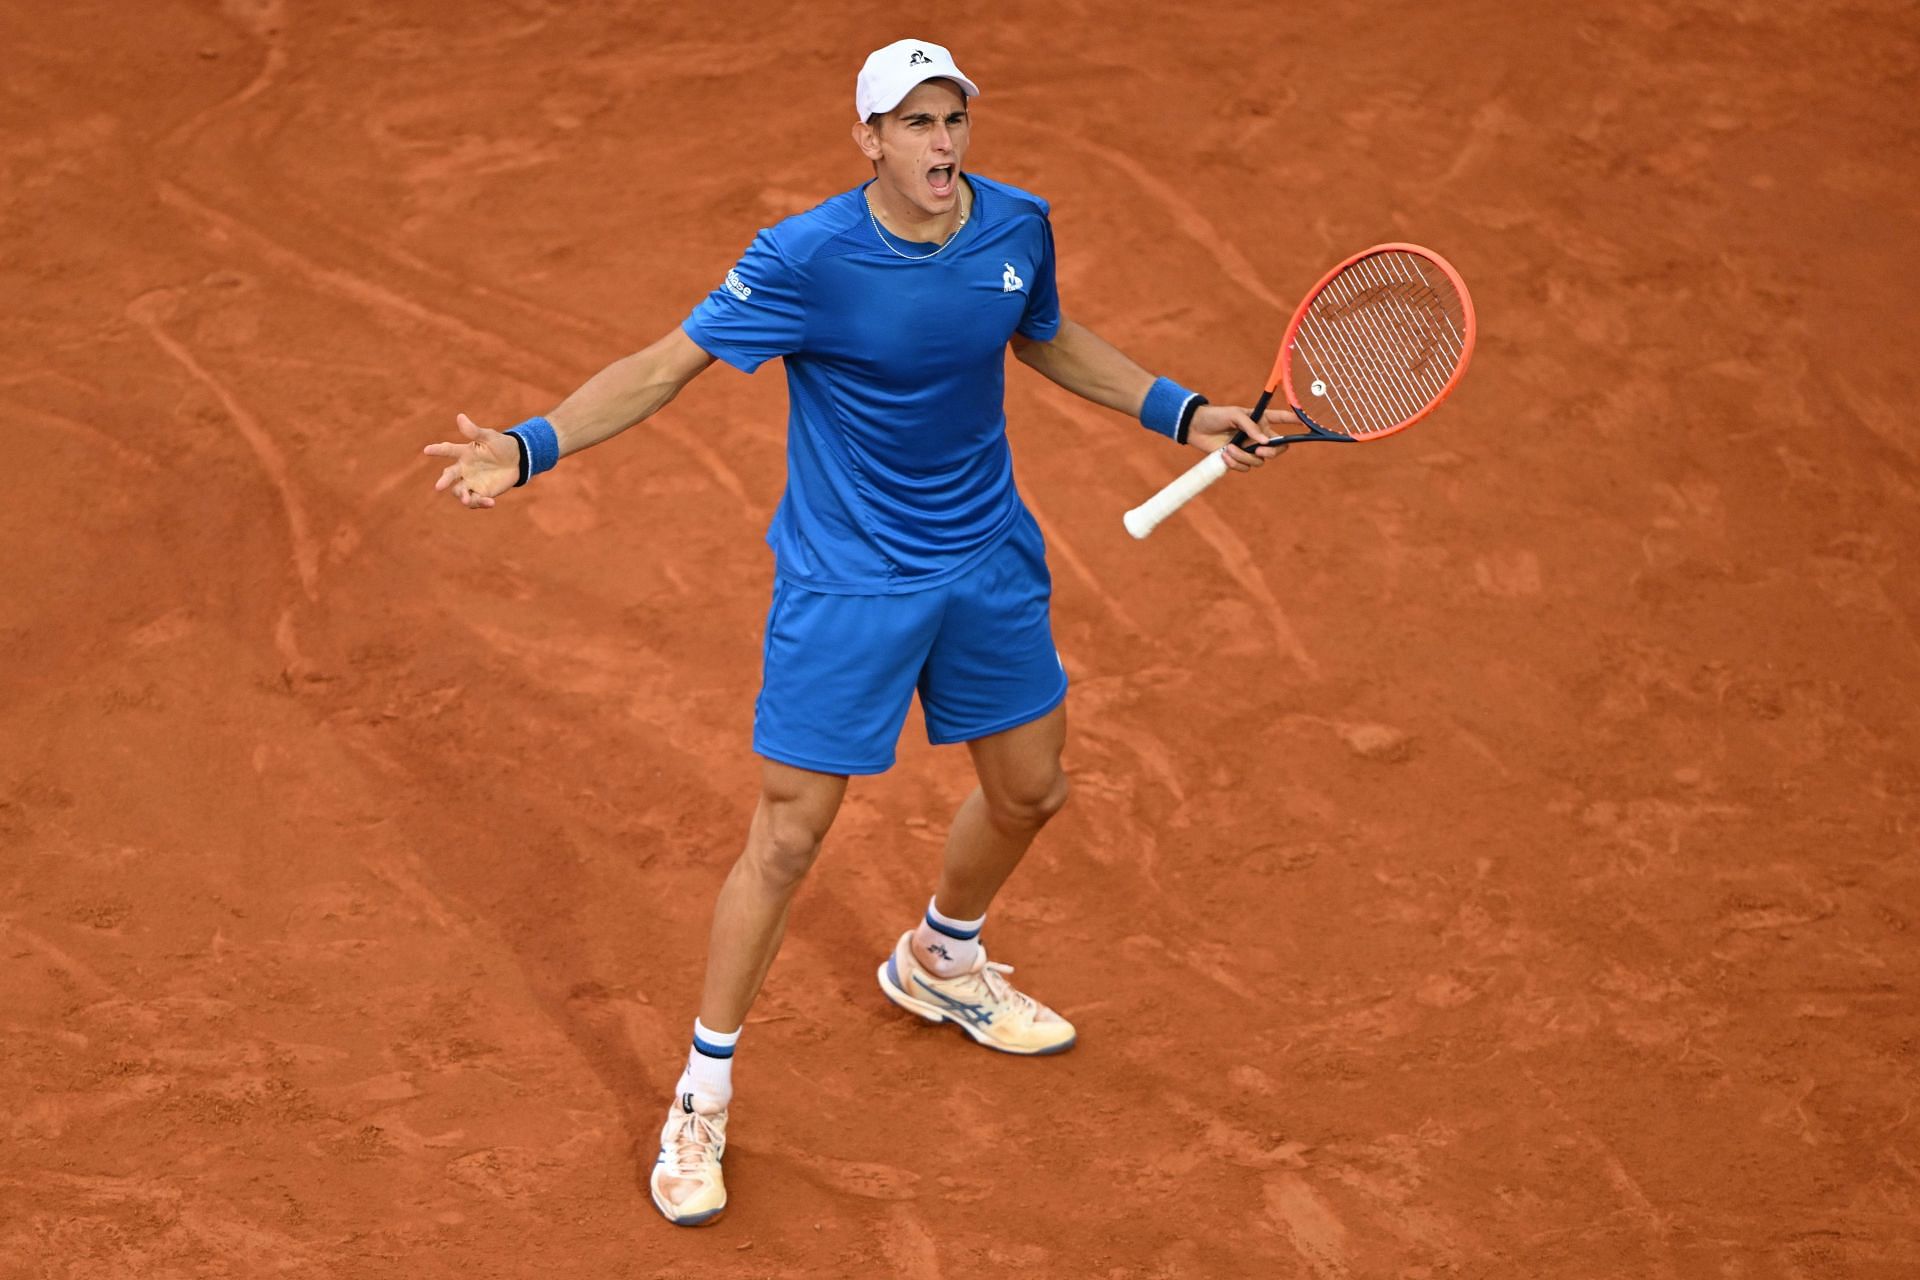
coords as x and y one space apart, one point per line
978 1015
975 1020
1044 1053
691 1220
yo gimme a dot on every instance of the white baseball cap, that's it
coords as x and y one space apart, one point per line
890 74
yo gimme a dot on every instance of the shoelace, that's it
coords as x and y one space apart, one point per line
689 1148
994 977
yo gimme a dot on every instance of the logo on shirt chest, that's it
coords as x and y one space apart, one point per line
1010 281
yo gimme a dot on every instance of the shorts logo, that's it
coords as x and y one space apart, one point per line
738 287
919 59
1010 281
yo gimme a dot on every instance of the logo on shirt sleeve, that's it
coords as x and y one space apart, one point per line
1010 281
738 287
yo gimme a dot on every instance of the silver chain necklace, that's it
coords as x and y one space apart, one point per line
910 257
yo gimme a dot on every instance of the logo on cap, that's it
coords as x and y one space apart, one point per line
919 57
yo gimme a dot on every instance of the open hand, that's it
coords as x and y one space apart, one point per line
487 465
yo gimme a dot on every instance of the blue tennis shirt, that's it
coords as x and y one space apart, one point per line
898 469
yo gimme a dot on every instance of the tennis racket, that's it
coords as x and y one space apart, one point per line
1376 345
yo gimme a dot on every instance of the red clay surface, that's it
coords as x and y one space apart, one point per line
358 848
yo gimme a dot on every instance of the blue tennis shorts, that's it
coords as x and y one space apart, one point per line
841 671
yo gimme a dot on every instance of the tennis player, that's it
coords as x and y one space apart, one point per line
905 560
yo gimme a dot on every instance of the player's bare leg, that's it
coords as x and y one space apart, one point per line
749 919
939 970
1021 787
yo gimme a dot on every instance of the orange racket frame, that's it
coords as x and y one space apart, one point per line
1146 517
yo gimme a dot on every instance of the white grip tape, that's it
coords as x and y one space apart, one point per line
1146 517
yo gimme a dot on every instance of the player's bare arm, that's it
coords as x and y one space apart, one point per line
624 394
1088 365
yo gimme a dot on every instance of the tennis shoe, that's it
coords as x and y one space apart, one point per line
687 1184
981 1002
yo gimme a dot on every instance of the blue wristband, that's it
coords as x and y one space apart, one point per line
539 447
1169 409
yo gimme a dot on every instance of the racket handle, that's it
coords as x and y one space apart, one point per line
1146 517
1240 438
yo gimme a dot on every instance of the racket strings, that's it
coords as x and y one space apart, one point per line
1370 326
1379 344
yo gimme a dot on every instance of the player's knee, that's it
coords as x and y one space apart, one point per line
1031 802
785 850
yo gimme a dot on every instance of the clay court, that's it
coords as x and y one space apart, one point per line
1511 827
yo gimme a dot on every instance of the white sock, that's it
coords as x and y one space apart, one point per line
709 1072
944 946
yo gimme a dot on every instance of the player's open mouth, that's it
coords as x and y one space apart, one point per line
940 178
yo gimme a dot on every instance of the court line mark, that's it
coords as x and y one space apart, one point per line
306 551
1244 568
1186 216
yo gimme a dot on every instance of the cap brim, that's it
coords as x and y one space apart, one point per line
972 89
